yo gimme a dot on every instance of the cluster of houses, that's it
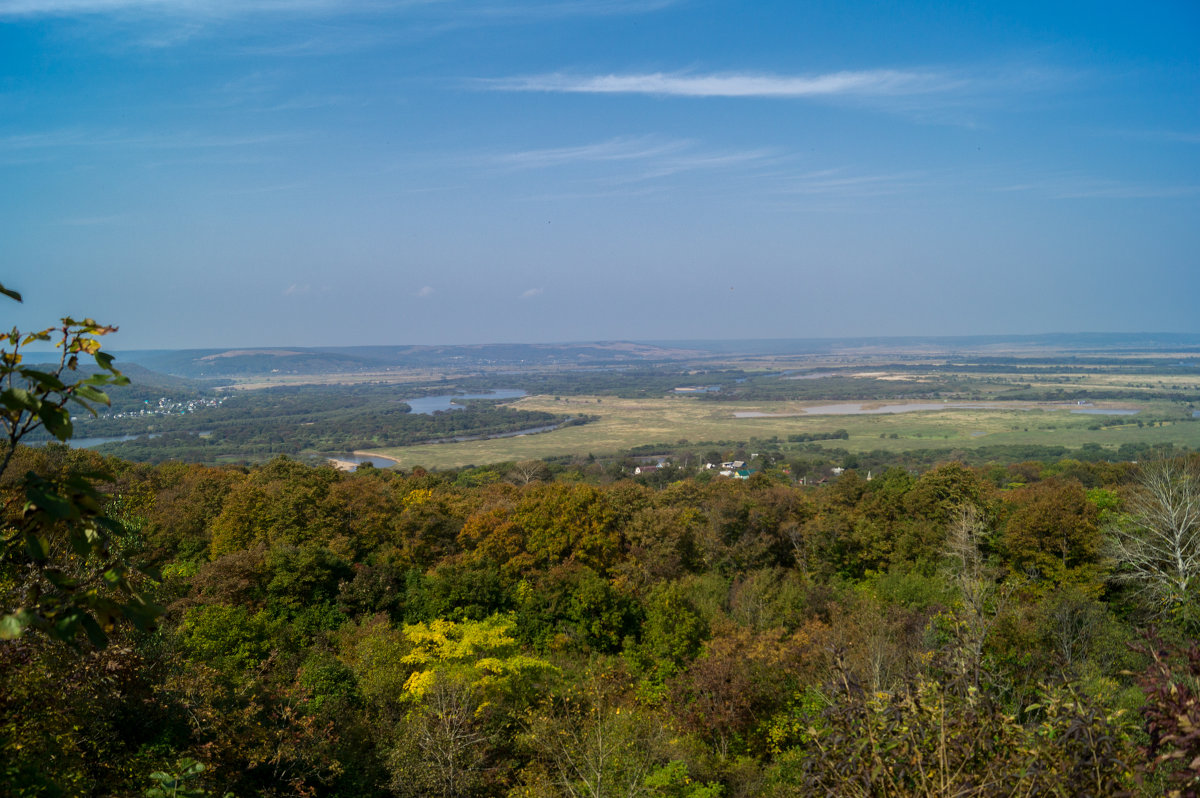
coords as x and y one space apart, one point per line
734 469
167 407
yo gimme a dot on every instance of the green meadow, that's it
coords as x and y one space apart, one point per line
627 423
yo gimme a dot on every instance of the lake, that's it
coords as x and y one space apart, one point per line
429 405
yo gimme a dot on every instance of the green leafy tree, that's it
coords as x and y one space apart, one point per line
181 783
62 570
672 635
592 741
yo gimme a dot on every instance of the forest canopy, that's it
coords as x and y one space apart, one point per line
387 633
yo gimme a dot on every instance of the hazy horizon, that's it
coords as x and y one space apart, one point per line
214 174
716 345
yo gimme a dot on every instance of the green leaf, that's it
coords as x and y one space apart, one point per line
44 380
150 570
20 399
57 421
94 632
8 292
37 547
91 394
60 580
11 626
46 500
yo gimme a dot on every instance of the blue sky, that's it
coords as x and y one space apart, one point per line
313 172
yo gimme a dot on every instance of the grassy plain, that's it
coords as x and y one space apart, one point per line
626 423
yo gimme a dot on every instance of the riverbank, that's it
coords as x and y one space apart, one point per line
353 460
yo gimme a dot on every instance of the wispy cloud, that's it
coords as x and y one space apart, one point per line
182 140
309 102
1173 136
617 149
425 291
461 10
94 221
194 8
531 293
297 289
861 83
645 158
561 9
613 193
274 188
741 160
929 95
1082 187
845 183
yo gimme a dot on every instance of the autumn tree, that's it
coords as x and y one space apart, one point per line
1053 533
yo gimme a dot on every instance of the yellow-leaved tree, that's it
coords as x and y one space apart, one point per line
451 693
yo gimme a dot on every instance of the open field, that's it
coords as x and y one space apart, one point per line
626 423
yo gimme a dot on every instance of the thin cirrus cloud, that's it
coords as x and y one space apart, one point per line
458 11
1084 188
616 149
645 158
860 83
843 183
184 140
531 293
195 8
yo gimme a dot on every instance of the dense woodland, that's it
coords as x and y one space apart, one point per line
309 420
258 435
962 631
